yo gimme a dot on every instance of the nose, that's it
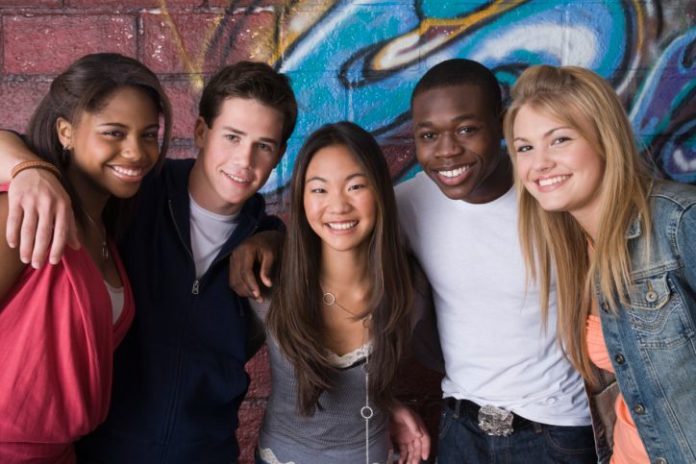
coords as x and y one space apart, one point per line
541 160
133 149
447 145
338 203
244 155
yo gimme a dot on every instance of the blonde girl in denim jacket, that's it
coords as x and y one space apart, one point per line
622 248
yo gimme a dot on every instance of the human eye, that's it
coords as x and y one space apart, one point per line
231 137
114 133
522 148
427 136
467 130
151 135
266 147
317 190
356 186
560 139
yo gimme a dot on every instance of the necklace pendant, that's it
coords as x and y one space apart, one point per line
105 251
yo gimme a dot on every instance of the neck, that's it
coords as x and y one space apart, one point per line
92 196
589 224
496 184
341 269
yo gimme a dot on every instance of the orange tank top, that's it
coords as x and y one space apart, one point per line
628 447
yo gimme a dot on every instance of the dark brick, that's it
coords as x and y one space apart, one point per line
26 49
30 3
260 373
133 4
250 419
19 99
202 42
184 98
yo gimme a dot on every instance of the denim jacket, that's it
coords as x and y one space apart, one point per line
652 338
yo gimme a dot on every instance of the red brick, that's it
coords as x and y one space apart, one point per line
30 3
184 98
26 49
178 43
132 4
19 99
246 3
260 373
250 419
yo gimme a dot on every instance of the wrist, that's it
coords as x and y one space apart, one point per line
34 164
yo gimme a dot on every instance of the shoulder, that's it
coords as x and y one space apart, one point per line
675 194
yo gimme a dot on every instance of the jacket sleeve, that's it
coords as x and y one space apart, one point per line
270 222
686 242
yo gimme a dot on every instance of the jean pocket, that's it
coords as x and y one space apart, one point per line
445 423
570 440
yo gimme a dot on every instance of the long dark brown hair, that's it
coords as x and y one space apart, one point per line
295 318
86 86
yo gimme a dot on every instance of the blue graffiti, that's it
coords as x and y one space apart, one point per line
360 61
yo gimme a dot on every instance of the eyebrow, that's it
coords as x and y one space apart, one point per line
241 132
459 118
545 134
349 177
125 126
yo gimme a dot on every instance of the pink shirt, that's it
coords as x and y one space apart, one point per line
628 447
56 351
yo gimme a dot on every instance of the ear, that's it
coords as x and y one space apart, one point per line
200 132
64 129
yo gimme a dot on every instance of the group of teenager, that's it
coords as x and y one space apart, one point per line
562 277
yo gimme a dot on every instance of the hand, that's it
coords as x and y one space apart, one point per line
409 434
260 249
40 217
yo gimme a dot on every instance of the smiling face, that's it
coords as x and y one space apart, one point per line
457 138
114 147
557 165
237 154
339 201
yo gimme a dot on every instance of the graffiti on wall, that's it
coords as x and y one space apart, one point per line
360 60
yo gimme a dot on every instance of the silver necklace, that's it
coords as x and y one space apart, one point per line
366 412
104 245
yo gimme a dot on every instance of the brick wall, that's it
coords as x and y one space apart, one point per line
359 60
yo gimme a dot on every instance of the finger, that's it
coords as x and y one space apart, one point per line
425 445
73 237
251 283
42 241
403 453
15 215
27 234
414 452
60 236
267 260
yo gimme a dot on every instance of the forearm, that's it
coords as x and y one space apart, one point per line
13 150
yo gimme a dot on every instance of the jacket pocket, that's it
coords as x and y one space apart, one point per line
657 313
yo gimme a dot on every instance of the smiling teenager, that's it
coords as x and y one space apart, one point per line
96 132
509 392
179 374
342 310
621 244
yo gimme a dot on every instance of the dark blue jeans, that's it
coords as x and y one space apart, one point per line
462 442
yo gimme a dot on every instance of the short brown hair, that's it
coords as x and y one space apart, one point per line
249 79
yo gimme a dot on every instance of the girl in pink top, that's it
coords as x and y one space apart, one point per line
98 130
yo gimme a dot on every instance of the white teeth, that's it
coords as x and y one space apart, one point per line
454 172
128 171
342 225
552 181
235 178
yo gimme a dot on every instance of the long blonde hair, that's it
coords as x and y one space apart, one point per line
555 240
